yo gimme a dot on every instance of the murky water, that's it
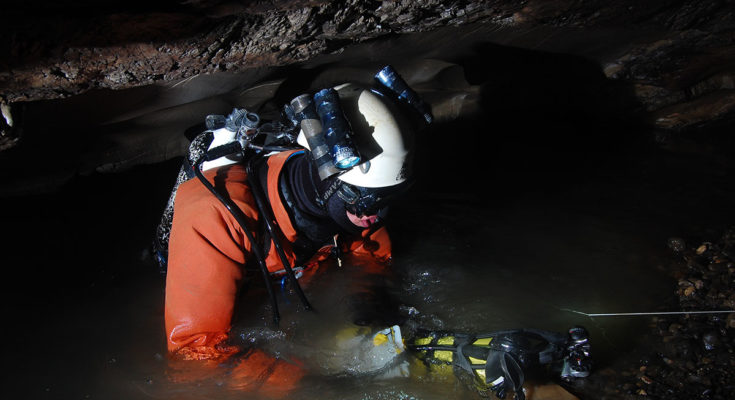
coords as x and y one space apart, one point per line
85 310
523 208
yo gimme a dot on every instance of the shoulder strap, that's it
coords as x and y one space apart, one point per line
275 166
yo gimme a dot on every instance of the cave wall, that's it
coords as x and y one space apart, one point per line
105 71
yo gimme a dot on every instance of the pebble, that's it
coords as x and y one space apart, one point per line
685 283
731 320
702 248
676 244
710 340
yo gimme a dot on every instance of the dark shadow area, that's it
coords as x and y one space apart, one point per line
66 240
80 282
86 8
92 23
545 121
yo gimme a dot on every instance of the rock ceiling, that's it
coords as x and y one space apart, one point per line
675 59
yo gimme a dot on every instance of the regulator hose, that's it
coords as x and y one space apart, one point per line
265 211
239 217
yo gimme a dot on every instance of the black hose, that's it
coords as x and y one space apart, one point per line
270 148
267 218
241 219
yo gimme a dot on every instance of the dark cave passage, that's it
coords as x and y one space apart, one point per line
538 188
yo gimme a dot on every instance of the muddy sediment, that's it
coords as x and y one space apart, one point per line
685 356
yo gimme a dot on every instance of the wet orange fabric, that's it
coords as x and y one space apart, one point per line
258 372
275 166
283 221
254 371
208 251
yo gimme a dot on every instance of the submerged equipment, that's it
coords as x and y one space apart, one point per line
498 361
325 124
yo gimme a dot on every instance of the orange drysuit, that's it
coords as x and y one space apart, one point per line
208 251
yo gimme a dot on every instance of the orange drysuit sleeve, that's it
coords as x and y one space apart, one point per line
207 252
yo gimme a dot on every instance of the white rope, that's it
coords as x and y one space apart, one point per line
650 313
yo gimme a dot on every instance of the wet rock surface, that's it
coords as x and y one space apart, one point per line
687 356
675 56
83 47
